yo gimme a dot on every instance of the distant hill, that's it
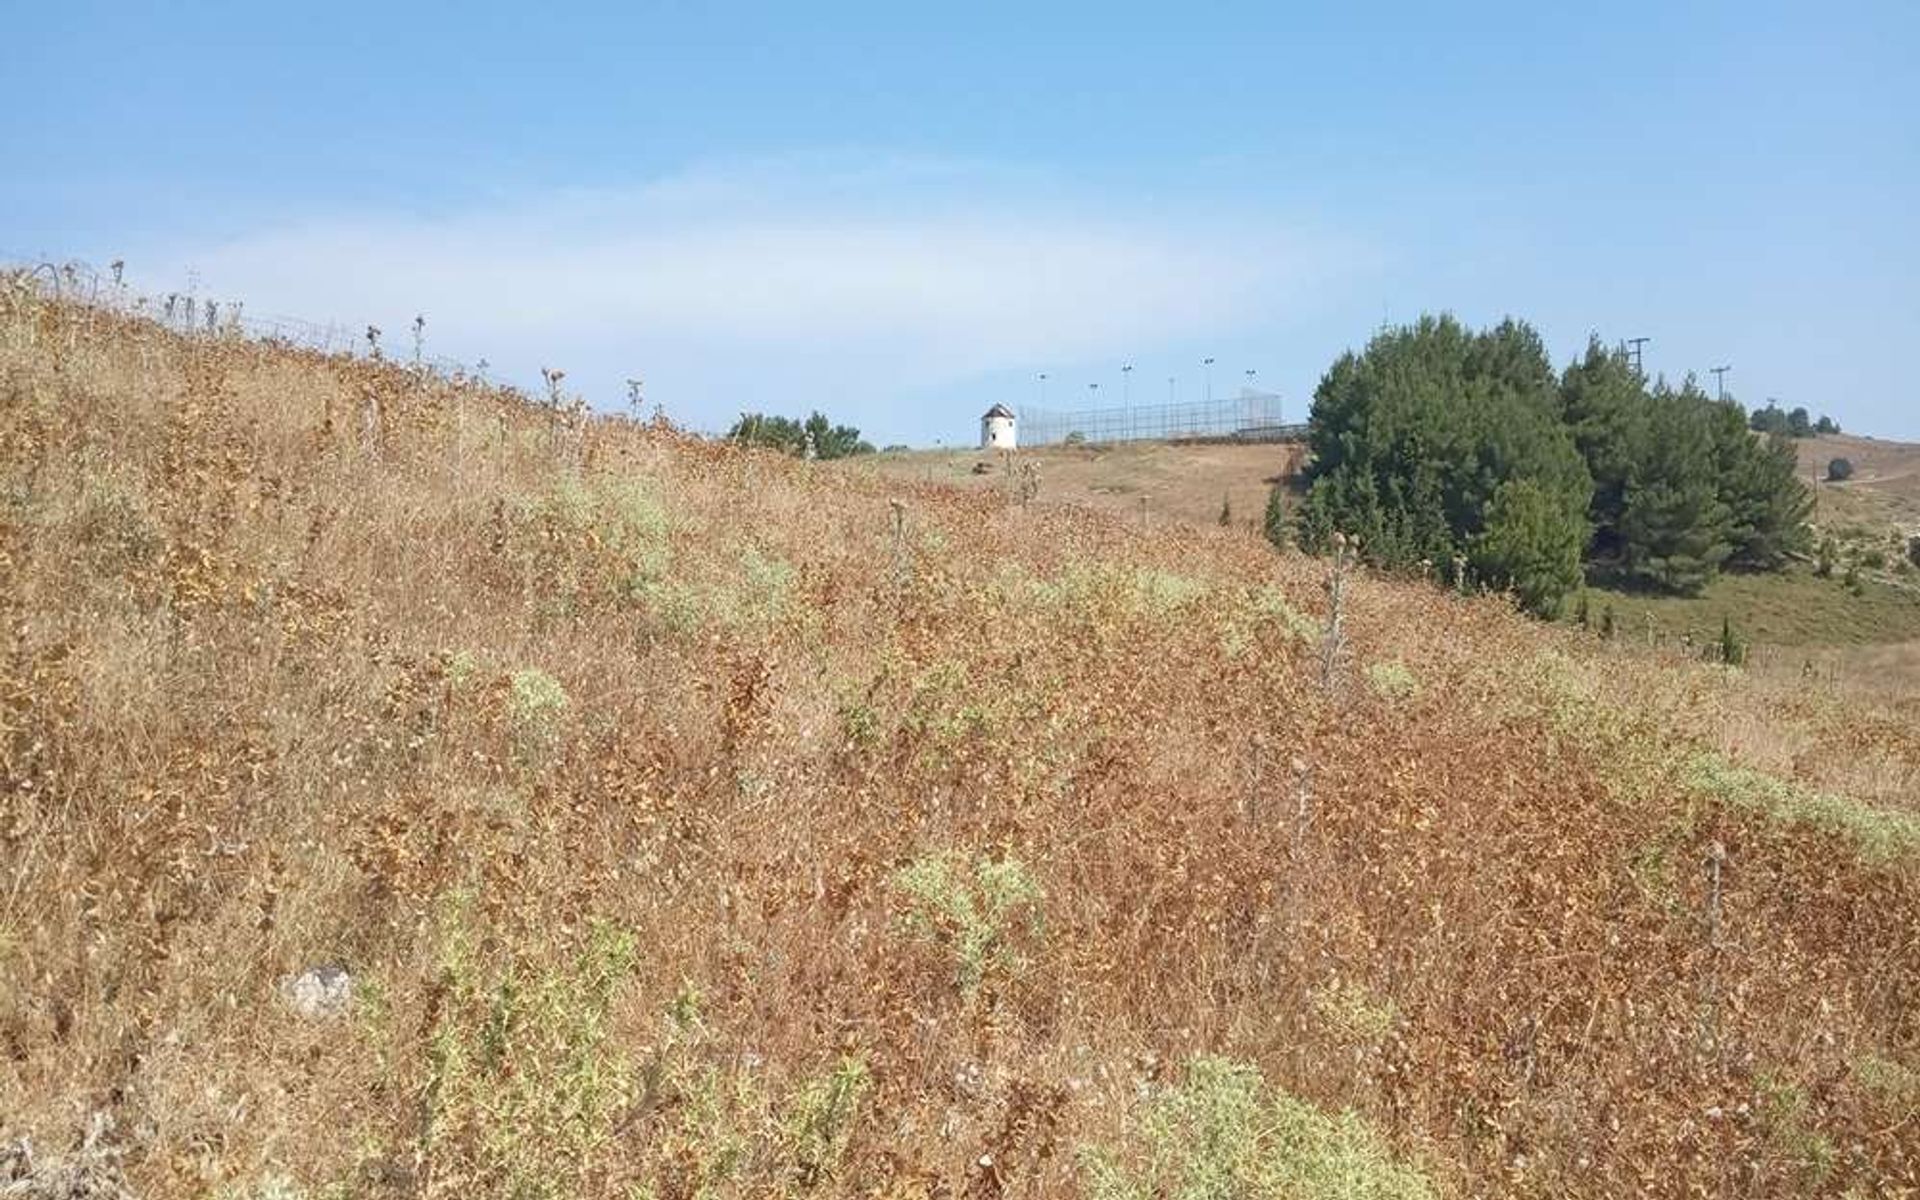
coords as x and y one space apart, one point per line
1884 489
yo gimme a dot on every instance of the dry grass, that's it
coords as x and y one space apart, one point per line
1155 482
690 829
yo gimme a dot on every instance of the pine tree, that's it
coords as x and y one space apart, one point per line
1675 530
1759 484
1276 525
1413 439
1604 403
1532 545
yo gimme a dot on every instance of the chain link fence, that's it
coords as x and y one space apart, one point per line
1252 416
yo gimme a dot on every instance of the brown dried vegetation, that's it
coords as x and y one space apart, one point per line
692 824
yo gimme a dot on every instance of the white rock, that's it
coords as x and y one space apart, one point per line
319 992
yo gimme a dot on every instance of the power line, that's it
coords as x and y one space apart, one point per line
1633 355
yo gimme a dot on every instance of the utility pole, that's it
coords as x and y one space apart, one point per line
1720 381
1633 355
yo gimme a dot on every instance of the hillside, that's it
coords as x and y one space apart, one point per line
1886 480
413 791
1795 615
1160 481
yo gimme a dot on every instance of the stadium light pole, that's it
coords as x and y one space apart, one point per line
1126 383
1170 381
1207 365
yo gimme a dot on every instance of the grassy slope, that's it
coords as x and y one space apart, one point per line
1186 484
1884 491
700 823
1177 482
1795 609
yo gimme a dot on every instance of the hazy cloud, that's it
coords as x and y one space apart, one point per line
919 273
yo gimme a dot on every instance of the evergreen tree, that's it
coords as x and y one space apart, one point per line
1759 484
1675 530
1604 403
1277 527
1413 439
1532 545
816 435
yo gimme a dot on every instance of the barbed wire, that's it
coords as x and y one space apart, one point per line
192 314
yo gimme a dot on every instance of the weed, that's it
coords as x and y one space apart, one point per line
1392 680
523 1081
1883 835
536 705
1263 607
975 906
819 1120
1784 1115
1894 1084
1354 1012
1222 1134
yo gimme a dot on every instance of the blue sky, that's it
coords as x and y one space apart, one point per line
901 213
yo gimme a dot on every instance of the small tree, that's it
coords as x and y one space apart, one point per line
1839 470
1733 647
1532 544
1277 525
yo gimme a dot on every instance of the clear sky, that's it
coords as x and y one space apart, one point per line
902 213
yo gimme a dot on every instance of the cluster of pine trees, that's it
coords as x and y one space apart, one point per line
1796 422
1463 452
815 437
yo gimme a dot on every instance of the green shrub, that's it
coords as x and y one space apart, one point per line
1732 647
1882 835
1277 523
1354 1012
1784 1116
1220 1136
975 907
524 1083
1392 680
1839 470
536 704
1890 1082
819 1120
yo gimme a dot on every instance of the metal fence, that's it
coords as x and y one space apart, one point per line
193 314
1251 416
